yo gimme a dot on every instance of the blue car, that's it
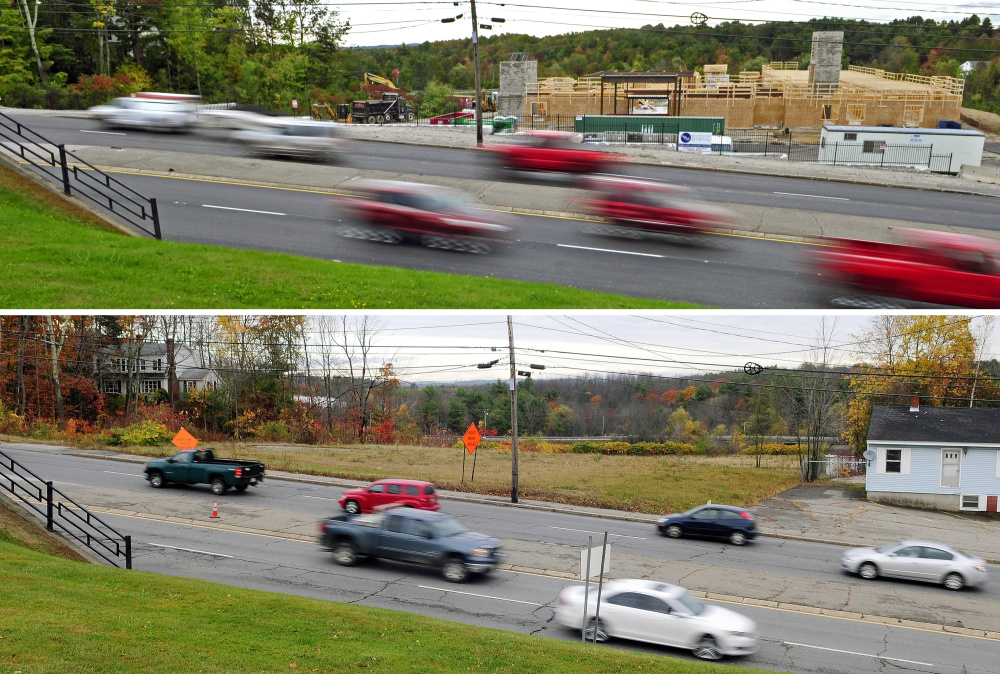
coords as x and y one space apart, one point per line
711 521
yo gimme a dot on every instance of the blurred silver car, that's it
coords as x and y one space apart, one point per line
917 560
293 138
174 113
658 613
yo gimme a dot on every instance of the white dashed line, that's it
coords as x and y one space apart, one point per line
484 596
811 196
200 552
607 250
245 210
106 133
864 655
584 531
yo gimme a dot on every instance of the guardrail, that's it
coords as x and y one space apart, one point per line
71 518
80 178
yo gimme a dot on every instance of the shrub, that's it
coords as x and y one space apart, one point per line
147 433
776 449
43 430
271 430
11 422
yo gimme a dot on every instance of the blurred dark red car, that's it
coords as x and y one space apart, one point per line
635 206
937 267
437 217
407 493
552 151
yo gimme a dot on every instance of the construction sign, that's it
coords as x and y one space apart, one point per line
471 438
184 440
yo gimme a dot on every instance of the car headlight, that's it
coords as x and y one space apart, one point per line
851 556
480 552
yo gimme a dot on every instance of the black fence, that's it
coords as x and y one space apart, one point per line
79 177
876 153
62 513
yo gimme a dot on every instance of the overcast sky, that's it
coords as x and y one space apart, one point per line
440 347
383 23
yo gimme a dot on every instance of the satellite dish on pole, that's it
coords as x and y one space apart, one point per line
870 454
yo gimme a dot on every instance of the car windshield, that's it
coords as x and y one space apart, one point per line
449 527
886 548
694 606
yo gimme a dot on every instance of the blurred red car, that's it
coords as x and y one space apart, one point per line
552 151
408 493
435 216
939 268
635 206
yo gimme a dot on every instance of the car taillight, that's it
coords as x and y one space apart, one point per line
239 472
322 527
747 516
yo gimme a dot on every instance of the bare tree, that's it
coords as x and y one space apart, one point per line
55 332
982 333
31 20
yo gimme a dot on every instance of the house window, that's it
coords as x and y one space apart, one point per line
893 460
189 385
973 502
873 146
149 385
850 136
158 365
109 386
123 365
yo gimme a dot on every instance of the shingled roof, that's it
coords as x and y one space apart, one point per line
974 426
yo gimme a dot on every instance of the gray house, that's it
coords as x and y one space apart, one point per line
148 370
946 458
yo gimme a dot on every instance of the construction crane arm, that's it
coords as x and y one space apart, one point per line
375 79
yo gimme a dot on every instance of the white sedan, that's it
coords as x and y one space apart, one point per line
658 613
293 138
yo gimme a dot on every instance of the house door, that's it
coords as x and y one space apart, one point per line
950 467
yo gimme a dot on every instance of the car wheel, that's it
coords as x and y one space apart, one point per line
410 116
157 480
371 119
738 538
381 119
454 570
868 571
595 627
344 553
673 531
954 581
707 649
352 507
218 486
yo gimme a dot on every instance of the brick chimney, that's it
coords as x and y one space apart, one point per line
914 404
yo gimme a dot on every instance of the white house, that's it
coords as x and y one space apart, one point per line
969 66
947 458
149 369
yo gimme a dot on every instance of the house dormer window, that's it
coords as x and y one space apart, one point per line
122 364
158 365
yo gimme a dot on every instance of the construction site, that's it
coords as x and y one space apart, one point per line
780 95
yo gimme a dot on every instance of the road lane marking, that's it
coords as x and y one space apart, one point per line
323 498
811 196
245 210
864 655
200 552
483 596
107 133
607 250
584 531
114 473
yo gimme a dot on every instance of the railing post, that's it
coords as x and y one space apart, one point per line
48 509
65 169
128 552
156 219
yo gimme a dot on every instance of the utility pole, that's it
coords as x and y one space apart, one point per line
479 94
513 412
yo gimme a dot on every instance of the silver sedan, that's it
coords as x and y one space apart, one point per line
293 138
917 560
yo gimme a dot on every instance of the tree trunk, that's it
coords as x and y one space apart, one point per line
31 22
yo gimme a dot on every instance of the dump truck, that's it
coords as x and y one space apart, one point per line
392 108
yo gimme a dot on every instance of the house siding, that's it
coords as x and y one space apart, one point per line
922 486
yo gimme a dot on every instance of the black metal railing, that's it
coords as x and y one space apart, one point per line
80 177
61 512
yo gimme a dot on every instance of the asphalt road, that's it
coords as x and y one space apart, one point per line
523 602
915 206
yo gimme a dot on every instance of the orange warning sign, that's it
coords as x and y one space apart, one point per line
184 440
471 438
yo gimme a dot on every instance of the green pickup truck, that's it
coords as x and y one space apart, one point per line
201 467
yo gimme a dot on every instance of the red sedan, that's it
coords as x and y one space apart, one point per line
409 493
635 207
938 267
437 217
552 151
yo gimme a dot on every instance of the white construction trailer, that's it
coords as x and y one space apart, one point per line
937 150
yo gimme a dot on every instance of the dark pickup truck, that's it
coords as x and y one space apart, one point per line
201 467
410 535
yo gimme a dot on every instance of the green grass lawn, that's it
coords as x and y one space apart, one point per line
55 255
61 616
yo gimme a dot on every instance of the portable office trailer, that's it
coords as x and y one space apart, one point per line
940 150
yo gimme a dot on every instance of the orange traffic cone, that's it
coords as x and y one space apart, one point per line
215 508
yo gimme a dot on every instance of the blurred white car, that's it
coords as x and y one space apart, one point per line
293 138
231 118
152 112
917 560
658 613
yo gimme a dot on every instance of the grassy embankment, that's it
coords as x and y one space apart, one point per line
55 255
58 615
631 483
